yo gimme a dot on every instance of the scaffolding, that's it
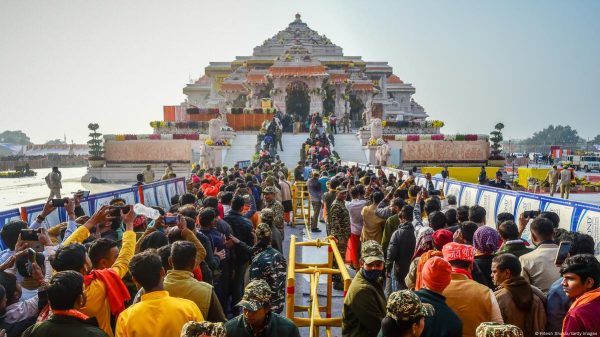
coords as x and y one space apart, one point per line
315 320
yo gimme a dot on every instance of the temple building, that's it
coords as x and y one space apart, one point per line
298 72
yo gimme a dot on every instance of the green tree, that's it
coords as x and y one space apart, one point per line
496 138
95 142
15 137
563 136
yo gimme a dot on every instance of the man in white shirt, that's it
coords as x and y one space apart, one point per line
538 266
355 207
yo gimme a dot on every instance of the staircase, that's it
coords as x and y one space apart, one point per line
348 147
242 148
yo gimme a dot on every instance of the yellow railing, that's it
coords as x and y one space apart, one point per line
314 320
301 206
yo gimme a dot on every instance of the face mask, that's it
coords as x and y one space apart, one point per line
372 275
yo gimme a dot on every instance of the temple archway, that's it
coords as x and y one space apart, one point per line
356 109
297 100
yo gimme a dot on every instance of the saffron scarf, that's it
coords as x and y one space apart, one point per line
586 298
463 272
419 275
71 313
116 292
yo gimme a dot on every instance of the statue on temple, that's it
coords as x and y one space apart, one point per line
383 154
376 128
204 153
214 129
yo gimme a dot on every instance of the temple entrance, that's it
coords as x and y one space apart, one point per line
297 101
356 109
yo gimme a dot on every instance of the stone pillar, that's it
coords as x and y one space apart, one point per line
339 101
316 103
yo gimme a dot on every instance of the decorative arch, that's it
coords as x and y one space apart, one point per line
297 99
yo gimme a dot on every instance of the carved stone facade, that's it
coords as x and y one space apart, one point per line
336 83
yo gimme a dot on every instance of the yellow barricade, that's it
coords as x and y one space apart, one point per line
300 205
315 320
526 173
465 174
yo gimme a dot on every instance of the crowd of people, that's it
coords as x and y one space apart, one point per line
213 265
403 239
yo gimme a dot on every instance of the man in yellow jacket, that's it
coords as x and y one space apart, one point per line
157 314
105 294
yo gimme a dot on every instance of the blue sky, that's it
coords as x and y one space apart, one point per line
474 63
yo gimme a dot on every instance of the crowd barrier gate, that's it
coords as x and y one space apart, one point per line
301 205
315 320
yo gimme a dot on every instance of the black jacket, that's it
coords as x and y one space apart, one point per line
241 228
400 252
445 322
484 264
63 326
277 326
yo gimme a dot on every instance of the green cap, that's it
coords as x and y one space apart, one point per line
371 251
256 295
263 231
267 215
269 189
200 329
341 189
491 329
405 305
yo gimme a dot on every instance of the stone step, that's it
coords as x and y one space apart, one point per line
243 146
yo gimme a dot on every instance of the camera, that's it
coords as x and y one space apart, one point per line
30 234
171 220
58 202
531 214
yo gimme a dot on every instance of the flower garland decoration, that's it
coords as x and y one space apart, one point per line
372 141
437 124
209 142
383 124
380 141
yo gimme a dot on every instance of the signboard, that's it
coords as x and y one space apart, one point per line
265 103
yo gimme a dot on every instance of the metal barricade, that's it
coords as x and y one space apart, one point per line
315 320
300 205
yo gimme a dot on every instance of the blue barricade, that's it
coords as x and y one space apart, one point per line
155 194
574 216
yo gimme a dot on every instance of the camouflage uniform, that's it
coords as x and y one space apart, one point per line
201 329
277 208
256 295
269 265
340 224
405 305
490 329
266 216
